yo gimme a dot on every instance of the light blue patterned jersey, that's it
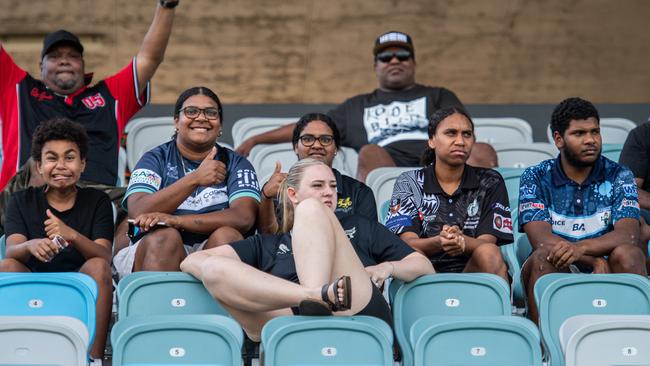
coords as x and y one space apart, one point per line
577 211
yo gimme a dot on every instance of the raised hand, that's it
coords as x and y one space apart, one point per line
54 226
211 171
272 186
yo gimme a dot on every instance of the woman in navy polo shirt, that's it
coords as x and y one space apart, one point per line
269 275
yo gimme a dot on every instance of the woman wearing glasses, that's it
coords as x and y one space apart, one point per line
189 191
316 136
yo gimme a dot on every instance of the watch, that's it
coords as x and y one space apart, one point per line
169 4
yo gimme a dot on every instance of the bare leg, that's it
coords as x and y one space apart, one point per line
100 271
12 265
627 259
221 236
160 250
121 238
535 267
372 157
487 258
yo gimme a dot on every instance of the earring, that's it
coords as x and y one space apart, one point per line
220 133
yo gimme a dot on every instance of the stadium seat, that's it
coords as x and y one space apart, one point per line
248 127
560 296
3 243
476 341
121 168
601 340
177 340
43 340
502 130
164 293
612 151
511 178
304 341
146 133
56 293
612 130
445 294
515 255
381 181
524 155
263 158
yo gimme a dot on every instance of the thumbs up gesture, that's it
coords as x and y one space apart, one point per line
271 188
54 226
211 171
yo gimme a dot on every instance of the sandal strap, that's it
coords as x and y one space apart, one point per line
334 305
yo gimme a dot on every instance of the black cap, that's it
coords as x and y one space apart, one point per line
60 36
393 39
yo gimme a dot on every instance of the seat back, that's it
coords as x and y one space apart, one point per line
524 155
263 158
177 340
612 151
560 296
511 178
3 243
606 340
146 133
302 340
43 340
476 341
248 127
381 181
446 294
502 130
164 293
612 130
42 294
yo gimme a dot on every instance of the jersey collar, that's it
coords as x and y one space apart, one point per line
559 178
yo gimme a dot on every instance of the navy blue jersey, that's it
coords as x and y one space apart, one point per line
577 211
164 165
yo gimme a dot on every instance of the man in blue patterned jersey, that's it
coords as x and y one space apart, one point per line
580 210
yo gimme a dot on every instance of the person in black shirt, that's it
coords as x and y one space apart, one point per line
454 213
316 136
79 219
314 248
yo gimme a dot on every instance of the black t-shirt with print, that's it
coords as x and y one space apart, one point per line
91 216
395 120
273 253
479 206
354 197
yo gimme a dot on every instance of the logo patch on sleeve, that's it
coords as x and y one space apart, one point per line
146 176
502 223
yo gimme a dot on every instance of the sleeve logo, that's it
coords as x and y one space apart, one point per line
502 223
145 176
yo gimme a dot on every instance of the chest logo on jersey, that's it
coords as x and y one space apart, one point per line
94 101
472 209
40 95
344 203
283 249
351 232
208 197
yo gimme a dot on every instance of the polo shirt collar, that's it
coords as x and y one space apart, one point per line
339 180
469 180
559 178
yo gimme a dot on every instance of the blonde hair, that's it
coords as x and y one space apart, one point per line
293 179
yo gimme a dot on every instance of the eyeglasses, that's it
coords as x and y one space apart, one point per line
193 112
387 56
309 140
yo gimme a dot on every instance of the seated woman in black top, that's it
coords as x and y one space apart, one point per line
314 248
38 217
316 136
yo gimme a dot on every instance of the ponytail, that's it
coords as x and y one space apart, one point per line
294 176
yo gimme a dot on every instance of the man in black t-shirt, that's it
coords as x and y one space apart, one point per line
636 156
389 125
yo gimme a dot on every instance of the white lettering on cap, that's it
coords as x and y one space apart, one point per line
393 37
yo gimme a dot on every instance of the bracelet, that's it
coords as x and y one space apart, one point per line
169 4
392 269
264 194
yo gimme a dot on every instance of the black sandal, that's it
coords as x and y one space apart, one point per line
313 308
339 305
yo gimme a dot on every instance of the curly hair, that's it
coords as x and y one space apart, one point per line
59 129
311 117
570 109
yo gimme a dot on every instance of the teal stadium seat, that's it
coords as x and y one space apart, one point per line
164 293
445 294
315 341
3 243
612 151
560 296
45 294
476 341
602 340
198 340
511 178
43 340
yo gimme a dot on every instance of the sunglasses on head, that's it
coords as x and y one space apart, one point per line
401 55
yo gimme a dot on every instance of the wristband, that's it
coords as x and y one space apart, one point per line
169 4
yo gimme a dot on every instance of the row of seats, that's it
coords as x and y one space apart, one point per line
449 319
511 137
